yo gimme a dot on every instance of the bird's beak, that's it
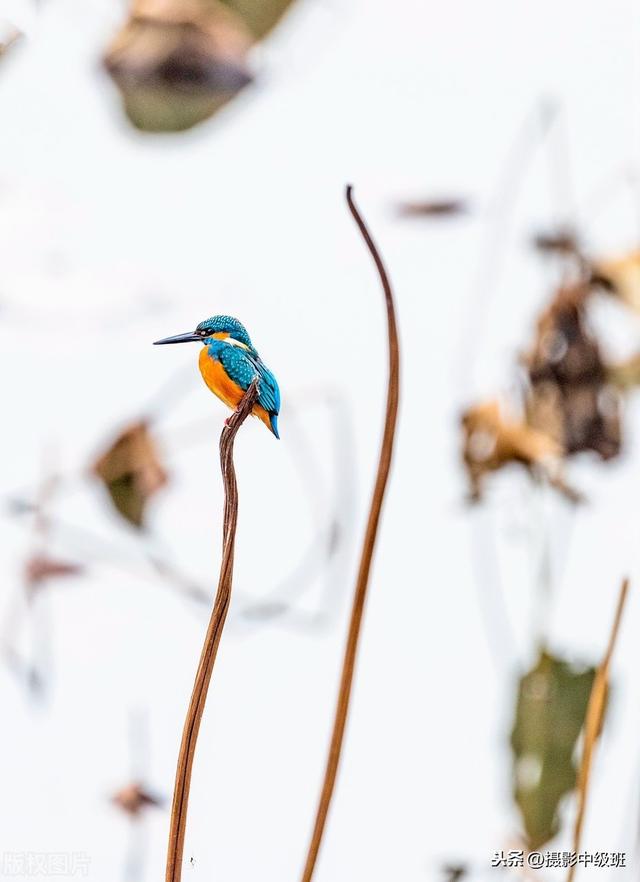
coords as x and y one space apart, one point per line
179 338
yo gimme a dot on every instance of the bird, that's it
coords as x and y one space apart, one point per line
229 362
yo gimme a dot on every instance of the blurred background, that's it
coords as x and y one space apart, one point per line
160 164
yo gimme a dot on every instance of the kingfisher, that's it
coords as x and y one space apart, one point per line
229 362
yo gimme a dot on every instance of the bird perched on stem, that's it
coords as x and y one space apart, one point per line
229 362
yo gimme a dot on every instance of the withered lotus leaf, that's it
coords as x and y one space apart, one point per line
571 398
492 441
549 716
259 15
621 275
132 471
176 62
625 375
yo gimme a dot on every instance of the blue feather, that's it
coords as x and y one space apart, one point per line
242 366
225 324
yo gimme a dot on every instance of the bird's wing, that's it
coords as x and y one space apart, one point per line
269 396
242 366
239 367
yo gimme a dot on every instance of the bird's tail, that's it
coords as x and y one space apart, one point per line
273 419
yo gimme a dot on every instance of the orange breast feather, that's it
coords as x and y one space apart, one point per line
219 381
223 386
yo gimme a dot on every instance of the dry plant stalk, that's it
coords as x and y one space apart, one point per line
593 723
211 641
360 593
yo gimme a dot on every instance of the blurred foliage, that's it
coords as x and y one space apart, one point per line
134 798
41 567
572 400
561 241
570 397
259 15
493 440
132 472
177 62
9 36
621 275
434 208
454 872
625 375
550 713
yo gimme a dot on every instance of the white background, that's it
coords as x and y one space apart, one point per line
110 239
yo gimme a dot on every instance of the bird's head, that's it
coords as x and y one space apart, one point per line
218 327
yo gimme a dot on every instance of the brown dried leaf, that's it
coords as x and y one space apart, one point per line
492 441
563 350
561 241
433 208
134 798
454 872
625 375
571 398
176 62
40 567
132 471
621 275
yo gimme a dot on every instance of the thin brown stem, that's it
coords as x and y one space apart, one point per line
593 723
360 592
211 641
